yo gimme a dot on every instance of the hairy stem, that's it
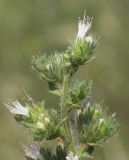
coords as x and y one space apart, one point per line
73 128
65 114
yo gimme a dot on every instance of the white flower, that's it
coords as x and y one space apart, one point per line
32 152
16 108
83 27
72 157
89 40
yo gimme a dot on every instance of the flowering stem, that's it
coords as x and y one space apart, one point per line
76 126
64 112
73 129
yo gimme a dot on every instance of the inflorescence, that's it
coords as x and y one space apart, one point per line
76 125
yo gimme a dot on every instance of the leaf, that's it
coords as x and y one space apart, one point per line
95 144
63 120
55 92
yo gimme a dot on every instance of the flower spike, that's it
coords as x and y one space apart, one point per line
76 125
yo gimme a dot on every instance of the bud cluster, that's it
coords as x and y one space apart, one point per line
94 125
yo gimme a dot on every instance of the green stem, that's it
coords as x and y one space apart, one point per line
73 128
64 112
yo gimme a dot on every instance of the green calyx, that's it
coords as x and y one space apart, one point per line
41 123
54 67
79 90
95 126
79 52
51 68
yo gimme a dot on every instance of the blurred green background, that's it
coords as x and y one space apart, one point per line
28 27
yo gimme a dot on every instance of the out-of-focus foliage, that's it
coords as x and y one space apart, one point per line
28 27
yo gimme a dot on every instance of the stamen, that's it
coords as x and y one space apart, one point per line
84 26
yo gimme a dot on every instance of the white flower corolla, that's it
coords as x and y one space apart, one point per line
89 40
16 108
72 157
32 152
83 27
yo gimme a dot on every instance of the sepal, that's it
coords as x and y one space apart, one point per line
51 68
41 122
95 126
79 90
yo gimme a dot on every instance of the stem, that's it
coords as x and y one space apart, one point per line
73 128
64 113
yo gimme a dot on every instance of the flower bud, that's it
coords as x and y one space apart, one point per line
89 40
40 125
47 120
101 122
